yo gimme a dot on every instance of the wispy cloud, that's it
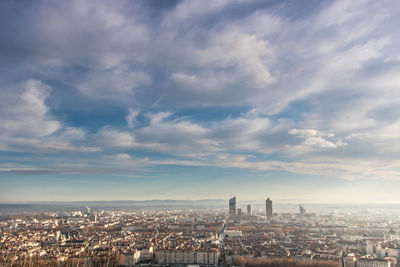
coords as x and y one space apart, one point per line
310 90
86 170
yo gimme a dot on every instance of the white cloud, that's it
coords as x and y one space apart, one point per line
122 156
27 125
27 114
193 10
156 118
244 52
109 137
181 136
184 78
116 82
177 136
313 140
131 118
305 133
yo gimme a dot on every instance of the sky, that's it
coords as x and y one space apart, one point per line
132 100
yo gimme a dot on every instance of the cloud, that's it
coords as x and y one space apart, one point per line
175 136
115 82
245 53
315 89
131 118
189 10
87 170
261 58
345 169
181 136
313 140
184 78
27 124
109 137
105 36
27 114
123 156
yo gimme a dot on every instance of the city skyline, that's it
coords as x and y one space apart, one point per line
144 100
143 237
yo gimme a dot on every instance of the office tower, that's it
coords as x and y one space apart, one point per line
302 210
239 212
268 208
248 210
232 207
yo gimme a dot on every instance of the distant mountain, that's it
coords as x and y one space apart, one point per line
129 205
153 202
118 204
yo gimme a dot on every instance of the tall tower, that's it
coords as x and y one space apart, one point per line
248 210
302 211
232 207
268 208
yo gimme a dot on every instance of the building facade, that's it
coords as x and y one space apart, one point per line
209 257
232 207
268 208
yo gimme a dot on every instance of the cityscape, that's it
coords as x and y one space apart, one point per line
202 236
200 133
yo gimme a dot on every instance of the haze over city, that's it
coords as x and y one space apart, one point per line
186 100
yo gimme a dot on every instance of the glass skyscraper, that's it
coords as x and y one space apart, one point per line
232 207
268 208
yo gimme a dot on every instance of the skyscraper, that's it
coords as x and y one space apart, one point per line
239 212
248 210
302 211
268 208
232 207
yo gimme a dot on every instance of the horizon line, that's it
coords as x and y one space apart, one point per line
198 200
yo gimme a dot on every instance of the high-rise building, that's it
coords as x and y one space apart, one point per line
248 210
302 211
232 207
268 208
239 212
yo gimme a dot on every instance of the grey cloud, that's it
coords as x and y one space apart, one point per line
42 32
